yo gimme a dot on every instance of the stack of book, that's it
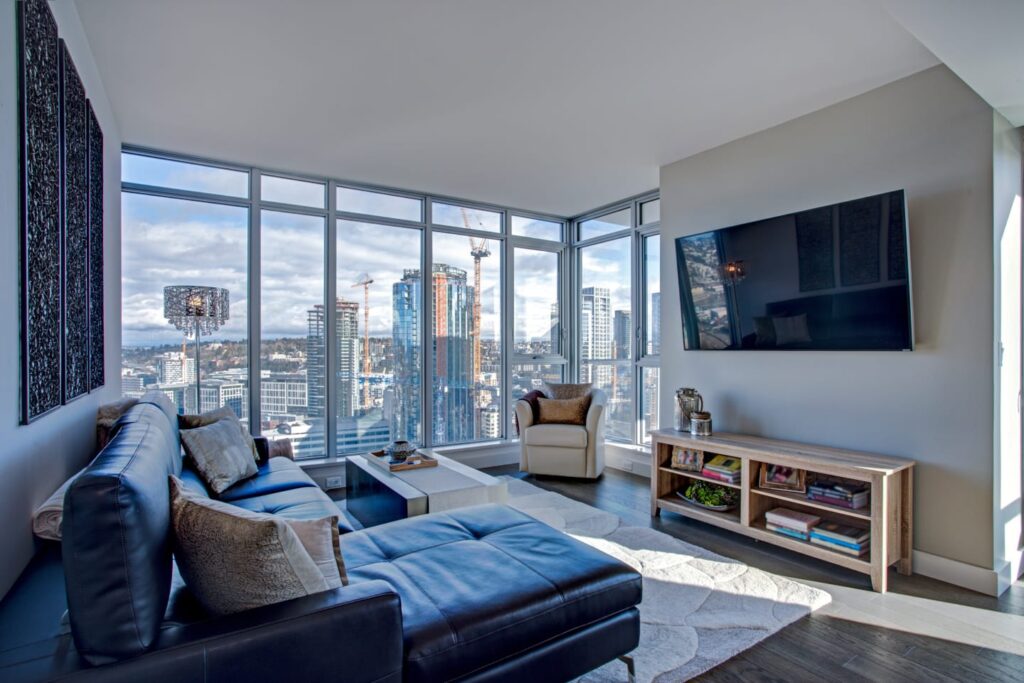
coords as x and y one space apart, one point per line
845 539
791 523
852 495
722 468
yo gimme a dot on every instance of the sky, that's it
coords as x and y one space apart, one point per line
171 241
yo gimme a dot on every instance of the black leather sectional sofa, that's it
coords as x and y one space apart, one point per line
478 594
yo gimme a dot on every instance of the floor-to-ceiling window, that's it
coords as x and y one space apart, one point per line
618 312
338 340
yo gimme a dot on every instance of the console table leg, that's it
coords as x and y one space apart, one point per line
906 566
880 533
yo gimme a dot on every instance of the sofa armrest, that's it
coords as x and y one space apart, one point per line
267 449
351 634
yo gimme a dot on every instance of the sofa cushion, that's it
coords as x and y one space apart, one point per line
116 600
278 474
219 454
485 583
234 560
562 436
301 503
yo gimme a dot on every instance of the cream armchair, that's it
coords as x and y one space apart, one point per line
561 449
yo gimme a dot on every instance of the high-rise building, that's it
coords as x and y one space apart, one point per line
452 385
596 334
622 335
347 354
283 396
175 367
490 422
556 330
655 314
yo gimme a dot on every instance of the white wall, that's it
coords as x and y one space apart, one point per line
1006 230
35 459
931 135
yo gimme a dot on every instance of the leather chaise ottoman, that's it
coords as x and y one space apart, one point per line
481 587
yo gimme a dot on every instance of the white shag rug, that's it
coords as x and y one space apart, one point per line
698 610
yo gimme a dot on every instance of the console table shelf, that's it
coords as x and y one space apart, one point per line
888 516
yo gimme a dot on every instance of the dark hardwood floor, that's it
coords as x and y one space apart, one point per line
819 646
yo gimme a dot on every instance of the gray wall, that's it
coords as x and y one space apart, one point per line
931 135
36 459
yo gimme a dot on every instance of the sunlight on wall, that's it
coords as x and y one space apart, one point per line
1007 503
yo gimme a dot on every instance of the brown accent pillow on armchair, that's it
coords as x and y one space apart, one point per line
571 411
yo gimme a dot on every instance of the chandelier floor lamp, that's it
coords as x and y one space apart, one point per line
198 310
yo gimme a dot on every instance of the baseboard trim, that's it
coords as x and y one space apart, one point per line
480 458
987 581
634 459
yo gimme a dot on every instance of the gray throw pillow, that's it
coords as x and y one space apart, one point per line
219 454
234 560
222 413
564 391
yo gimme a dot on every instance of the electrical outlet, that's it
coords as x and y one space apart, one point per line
335 483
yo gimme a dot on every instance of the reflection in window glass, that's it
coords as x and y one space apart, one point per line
177 242
606 224
379 350
466 385
465 217
291 191
650 212
530 376
293 382
652 293
180 175
616 381
536 228
535 304
648 402
605 331
379 204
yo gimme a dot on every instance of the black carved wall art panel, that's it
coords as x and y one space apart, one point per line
76 230
39 112
96 345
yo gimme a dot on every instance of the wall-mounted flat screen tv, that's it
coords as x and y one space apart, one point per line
832 278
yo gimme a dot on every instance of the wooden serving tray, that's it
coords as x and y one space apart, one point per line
383 461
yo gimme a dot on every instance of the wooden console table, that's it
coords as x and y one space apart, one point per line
889 514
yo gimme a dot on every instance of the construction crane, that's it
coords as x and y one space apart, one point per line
364 280
479 250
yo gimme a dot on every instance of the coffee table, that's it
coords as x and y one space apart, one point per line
374 496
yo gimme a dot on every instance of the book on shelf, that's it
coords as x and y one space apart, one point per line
843 533
817 540
729 479
792 519
786 531
833 541
855 504
724 464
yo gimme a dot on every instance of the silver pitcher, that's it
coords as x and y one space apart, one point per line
688 401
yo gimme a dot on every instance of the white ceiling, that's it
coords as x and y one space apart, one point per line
980 41
552 106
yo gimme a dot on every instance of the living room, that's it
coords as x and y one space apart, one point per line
543 461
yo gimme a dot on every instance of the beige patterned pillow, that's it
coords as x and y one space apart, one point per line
571 411
219 454
222 413
564 391
233 559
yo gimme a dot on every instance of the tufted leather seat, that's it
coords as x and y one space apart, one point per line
482 584
276 474
297 503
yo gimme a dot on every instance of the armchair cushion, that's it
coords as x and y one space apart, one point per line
557 435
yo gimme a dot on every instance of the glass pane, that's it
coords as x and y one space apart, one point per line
526 378
465 217
466 332
179 175
293 374
616 380
535 227
652 293
535 306
650 212
291 191
648 402
177 242
605 329
379 349
380 204
606 224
